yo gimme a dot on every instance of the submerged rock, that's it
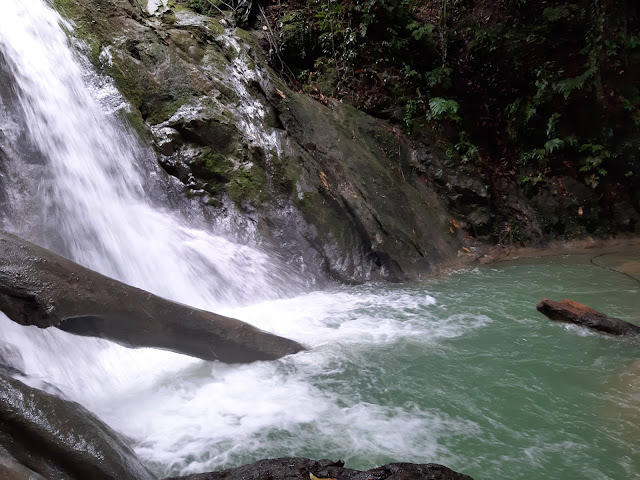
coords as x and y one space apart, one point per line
44 436
293 468
574 312
39 287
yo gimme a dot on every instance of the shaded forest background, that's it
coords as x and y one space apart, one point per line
538 99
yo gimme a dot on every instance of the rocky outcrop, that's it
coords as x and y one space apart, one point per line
302 468
567 207
44 436
335 190
38 287
574 312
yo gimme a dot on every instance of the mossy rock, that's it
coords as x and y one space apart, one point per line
248 187
134 121
212 166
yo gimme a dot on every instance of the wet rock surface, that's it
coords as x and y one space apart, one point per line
38 287
10 356
44 436
574 312
300 469
331 188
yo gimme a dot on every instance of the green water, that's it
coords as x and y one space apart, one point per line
523 397
461 370
551 401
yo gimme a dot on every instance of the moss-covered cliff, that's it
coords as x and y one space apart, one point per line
540 99
330 187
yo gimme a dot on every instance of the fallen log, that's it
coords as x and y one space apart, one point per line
39 287
574 312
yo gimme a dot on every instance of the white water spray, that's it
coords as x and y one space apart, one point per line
90 202
93 196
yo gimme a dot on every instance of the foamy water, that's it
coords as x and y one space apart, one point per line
187 415
462 371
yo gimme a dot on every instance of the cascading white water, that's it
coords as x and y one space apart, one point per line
185 415
92 198
465 374
78 182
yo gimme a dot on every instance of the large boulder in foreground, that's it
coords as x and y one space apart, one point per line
39 287
44 436
299 469
574 312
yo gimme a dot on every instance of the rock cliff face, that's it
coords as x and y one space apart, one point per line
334 189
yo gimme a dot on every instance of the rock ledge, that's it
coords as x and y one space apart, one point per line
295 468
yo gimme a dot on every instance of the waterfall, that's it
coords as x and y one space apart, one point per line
75 180
458 371
82 185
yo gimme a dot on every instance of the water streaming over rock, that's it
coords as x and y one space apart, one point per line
461 371
90 197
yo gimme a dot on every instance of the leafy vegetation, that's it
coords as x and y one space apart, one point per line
527 89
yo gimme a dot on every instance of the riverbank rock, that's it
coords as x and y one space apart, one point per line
44 436
574 312
293 468
39 287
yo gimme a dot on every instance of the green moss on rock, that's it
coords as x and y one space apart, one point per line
213 166
248 186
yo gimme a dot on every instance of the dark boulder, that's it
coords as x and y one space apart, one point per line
293 468
574 312
11 469
42 435
39 287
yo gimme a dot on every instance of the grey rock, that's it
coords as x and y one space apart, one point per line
11 469
38 287
334 189
294 468
43 435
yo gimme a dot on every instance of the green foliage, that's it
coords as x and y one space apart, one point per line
419 30
204 7
592 163
443 108
569 85
346 29
552 122
412 107
555 14
553 144
532 180
467 150
439 77
536 86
